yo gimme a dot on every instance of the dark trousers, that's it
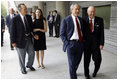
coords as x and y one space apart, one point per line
94 51
57 31
50 29
10 42
74 53
2 34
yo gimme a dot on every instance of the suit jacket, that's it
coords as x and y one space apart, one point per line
2 23
57 20
67 29
8 22
98 34
17 34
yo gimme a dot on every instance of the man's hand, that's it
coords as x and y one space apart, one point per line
57 24
3 30
36 37
14 44
50 21
101 47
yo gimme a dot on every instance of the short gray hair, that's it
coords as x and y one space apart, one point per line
72 6
90 7
11 8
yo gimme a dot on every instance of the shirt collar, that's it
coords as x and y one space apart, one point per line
21 15
11 14
73 16
56 15
92 19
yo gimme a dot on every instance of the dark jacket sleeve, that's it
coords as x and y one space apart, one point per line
13 31
84 29
64 34
7 22
48 18
102 33
58 21
2 23
30 24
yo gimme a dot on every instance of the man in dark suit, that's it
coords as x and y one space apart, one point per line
72 33
57 24
94 41
50 20
8 22
21 37
2 30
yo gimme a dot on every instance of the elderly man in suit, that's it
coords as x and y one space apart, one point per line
21 38
72 35
2 30
94 41
8 22
57 24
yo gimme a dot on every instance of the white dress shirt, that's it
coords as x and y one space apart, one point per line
11 16
51 18
22 17
92 23
75 33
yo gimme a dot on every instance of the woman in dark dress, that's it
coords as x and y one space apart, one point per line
40 29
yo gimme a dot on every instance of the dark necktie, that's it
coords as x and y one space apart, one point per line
78 28
91 25
26 25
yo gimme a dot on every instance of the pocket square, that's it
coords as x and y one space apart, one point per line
96 25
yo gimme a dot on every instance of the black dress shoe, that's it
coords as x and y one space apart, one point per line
57 37
87 77
2 45
94 74
31 68
24 72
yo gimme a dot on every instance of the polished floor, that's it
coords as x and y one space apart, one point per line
55 61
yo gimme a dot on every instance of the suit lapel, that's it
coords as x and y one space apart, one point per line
80 23
71 25
95 23
89 24
20 20
9 18
88 20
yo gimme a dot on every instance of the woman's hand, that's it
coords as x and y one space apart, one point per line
36 37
